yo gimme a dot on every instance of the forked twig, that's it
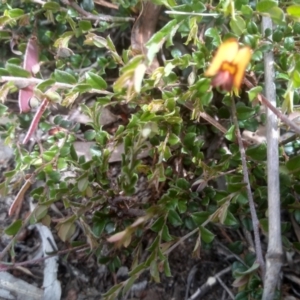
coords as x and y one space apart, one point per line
211 281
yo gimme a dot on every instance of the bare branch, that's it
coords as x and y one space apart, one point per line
264 100
106 4
274 254
58 85
255 222
211 281
98 17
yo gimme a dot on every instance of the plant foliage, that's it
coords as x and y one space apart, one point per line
190 179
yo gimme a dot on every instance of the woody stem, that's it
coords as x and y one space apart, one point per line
255 222
269 105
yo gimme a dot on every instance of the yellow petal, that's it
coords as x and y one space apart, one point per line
241 60
226 53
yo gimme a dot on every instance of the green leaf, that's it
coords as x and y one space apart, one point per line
73 153
82 183
16 13
167 268
189 140
230 220
65 77
265 6
90 135
200 217
61 164
183 184
3 109
236 247
49 155
253 268
137 269
54 6
182 206
154 271
293 10
82 88
66 230
238 25
293 165
95 81
88 5
158 224
85 25
165 234
13 228
174 218
155 42
40 212
173 139
43 86
114 289
99 226
16 70
230 134
129 283
277 15
252 27
206 235
253 93
257 152
245 112
289 43
3 72
247 10
54 175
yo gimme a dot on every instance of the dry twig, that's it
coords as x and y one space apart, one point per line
211 281
255 222
98 17
106 4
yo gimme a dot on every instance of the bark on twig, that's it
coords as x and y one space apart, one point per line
255 222
208 285
57 85
264 100
98 17
274 254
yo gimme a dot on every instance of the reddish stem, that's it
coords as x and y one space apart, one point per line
36 119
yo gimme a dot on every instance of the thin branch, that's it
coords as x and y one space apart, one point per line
182 13
182 239
106 4
211 281
98 17
225 287
264 100
13 240
9 266
207 117
39 2
255 222
59 85
35 121
274 254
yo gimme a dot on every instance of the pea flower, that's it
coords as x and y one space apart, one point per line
229 65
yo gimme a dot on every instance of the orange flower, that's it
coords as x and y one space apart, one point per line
229 65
